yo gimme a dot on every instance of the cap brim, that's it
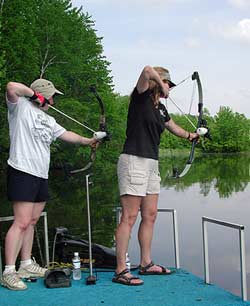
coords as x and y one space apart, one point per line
58 92
171 84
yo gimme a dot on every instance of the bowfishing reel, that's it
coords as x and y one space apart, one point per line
204 130
102 135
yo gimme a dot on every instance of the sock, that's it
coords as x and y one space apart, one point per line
24 263
9 269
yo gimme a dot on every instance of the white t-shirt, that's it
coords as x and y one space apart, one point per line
31 133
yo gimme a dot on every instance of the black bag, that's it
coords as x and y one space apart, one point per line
57 278
103 257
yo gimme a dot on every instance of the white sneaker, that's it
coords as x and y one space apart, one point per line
12 281
32 270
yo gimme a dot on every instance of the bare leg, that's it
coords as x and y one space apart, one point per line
146 229
15 235
145 233
29 233
130 207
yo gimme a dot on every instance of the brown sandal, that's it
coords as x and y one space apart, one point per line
145 270
121 278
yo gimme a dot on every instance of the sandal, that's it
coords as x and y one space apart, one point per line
145 270
121 278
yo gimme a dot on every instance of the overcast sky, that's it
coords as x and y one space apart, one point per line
208 36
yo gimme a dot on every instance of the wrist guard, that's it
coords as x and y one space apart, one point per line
39 99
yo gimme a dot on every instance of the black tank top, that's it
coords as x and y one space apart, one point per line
145 123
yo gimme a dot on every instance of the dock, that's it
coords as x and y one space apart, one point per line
178 289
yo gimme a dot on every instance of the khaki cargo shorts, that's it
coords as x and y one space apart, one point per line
138 176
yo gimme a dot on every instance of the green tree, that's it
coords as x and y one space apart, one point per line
53 40
230 132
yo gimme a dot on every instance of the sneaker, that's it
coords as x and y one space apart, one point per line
32 270
13 281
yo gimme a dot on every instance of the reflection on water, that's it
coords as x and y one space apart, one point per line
216 187
226 174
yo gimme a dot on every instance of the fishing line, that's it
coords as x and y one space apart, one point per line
67 116
193 125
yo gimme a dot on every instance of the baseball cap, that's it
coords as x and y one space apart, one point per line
45 88
166 76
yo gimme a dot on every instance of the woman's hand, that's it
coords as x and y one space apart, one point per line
93 142
192 136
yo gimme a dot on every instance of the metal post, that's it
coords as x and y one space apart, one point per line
176 240
118 215
91 279
240 228
1 265
46 240
243 265
205 251
89 226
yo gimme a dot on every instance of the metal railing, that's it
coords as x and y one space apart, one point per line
240 228
175 231
46 240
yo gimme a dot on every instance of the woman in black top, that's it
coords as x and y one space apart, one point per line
138 172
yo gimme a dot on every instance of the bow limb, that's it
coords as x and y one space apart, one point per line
195 77
102 128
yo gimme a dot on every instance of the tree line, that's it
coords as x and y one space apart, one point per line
54 40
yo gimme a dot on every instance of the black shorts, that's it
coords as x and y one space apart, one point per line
24 187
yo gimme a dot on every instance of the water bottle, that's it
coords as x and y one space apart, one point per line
128 265
77 275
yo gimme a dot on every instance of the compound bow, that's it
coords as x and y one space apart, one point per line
102 128
102 134
201 126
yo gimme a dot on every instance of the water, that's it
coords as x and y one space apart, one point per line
216 186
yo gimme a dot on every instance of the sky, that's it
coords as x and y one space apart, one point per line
208 36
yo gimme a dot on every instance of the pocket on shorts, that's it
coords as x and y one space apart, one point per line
137 177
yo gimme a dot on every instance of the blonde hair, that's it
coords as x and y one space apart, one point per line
154 87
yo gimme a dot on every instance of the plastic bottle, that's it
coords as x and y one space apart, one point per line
128 265
77 275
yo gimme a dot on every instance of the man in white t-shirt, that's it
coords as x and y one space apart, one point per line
31 131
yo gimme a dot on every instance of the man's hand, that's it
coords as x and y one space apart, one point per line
39 99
